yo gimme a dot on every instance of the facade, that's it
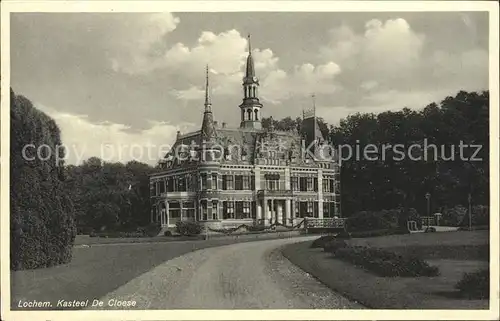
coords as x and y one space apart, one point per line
224 177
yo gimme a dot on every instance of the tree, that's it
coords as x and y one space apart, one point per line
110 196
42 227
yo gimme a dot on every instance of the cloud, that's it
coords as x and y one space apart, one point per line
226 54
389 64
111 141
305 80
385 51
135 43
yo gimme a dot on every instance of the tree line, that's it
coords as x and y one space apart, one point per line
447 177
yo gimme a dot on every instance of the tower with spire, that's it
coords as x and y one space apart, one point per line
251 106
207 125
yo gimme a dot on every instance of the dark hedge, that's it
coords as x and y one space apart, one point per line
475 285
42 228
384 263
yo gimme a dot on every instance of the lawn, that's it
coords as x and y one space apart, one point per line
453 252
99 269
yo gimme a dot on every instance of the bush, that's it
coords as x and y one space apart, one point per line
42 220
167 233
430 230
255 228
152 229
475 285
367 221
117 234
188 228
453 216
321 242
334 245
385 263
480 217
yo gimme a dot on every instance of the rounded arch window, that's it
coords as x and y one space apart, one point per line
256 112
249 112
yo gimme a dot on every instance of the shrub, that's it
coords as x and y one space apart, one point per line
167 233
321 242
385 263
188 228
255 228
366 221
475 285
152 229
42 220
430 229
453 216
480 217
334 245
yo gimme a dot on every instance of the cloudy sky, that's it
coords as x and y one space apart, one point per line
119 79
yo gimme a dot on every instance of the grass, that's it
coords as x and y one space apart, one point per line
99 269
453 252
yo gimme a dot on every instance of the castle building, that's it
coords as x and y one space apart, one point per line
223 177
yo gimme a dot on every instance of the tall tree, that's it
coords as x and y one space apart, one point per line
42 226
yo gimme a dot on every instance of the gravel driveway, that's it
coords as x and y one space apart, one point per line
250 275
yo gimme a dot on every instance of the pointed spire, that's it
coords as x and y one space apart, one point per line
314 104
250 72
208 103
249 45
207 125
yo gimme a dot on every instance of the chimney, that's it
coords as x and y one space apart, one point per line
223 125
178 133
216 124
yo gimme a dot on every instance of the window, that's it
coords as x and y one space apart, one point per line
297 209
303 206
309 182
182 184
162 186
214 210
204 210
326 209
152 189
246 183
189 209
170 185
214 181
326 185
238 182
175 209
246 209
295 183
228 210
229 182
315 184
331 182
272 182
310 208
239 210
203 182
189 183
303 184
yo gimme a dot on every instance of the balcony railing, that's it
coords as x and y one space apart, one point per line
274 193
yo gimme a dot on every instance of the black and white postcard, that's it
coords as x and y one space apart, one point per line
249 160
